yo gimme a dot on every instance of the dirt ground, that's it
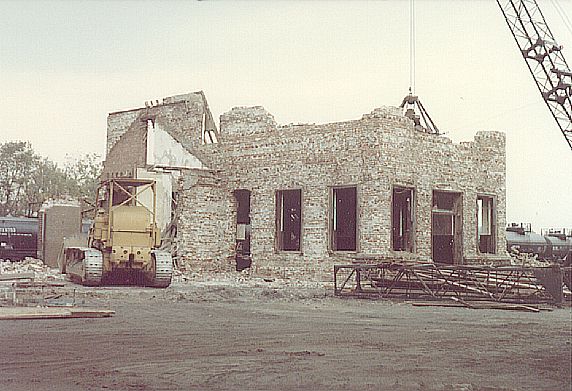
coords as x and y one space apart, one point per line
257 335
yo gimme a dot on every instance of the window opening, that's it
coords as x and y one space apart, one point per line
344 219
150 125
402 219
289 219
485 225
444 201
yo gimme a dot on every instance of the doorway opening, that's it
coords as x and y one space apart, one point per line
447 228
243 231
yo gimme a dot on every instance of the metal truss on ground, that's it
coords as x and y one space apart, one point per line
437 281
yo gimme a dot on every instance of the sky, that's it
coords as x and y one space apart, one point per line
64 65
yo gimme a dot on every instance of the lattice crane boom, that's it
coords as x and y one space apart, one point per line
544 59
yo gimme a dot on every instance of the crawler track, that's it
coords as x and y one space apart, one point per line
85 265
93 267
163 269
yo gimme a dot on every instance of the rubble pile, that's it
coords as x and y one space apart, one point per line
244 285
41 271
244 278
525 259
182 275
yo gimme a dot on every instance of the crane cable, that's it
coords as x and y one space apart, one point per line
562 13
412 46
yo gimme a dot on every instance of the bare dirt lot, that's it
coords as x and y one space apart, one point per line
258 335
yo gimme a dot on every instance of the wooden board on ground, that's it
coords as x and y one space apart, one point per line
16 276
14 313
483 305
38 284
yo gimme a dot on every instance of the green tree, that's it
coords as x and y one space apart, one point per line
83 176
46 181
17 162
27 180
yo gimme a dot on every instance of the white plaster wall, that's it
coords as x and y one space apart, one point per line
164 151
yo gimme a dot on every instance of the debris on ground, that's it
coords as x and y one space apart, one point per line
518 258
28 282
245 285
41 272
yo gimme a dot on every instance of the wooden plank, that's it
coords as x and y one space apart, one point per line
18 313
482 305
463 302
12 313
90 313
16 276
513 307
438 304
39 284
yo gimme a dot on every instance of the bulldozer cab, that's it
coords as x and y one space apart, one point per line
129 206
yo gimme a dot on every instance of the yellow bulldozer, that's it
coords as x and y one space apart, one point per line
123 239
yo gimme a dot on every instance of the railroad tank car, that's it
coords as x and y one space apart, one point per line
551 246
526 242
18 237
560 245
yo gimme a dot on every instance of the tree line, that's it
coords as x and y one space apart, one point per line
27 179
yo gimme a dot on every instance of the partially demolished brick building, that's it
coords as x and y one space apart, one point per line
297 199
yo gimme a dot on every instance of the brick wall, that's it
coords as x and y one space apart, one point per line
373 153
205 233
117 124
128 152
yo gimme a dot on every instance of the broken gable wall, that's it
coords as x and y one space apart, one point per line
374 153
184 118
157 141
